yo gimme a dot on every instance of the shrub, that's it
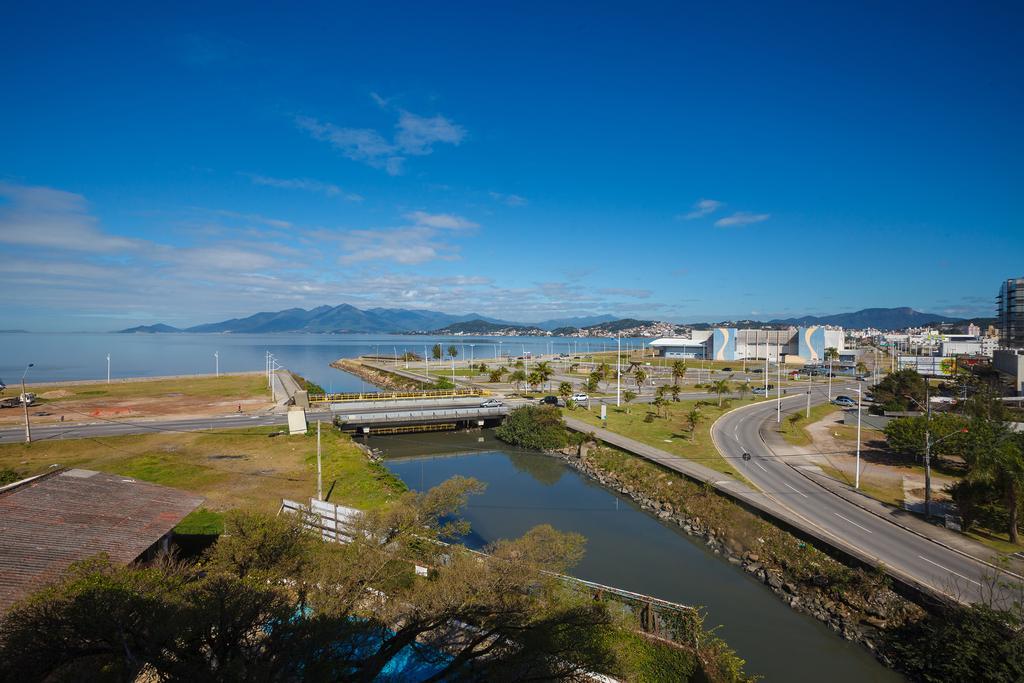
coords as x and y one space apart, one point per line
534 427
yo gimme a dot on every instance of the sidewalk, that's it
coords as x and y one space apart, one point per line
948 538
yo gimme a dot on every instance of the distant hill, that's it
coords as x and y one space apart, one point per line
150 329
483 327
574 323
880 318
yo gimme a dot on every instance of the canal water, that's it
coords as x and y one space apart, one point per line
630 549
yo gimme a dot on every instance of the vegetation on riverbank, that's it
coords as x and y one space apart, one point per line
535 427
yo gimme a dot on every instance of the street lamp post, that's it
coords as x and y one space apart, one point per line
618 371
24 404
860 396
108 368
216 364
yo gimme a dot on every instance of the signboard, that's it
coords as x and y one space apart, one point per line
604 412
932 366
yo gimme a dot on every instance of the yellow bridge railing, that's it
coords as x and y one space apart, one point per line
394 395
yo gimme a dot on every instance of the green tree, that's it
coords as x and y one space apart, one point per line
544 370
693 418
720 387
453 351
640 376
535 427
436 352
482 368
743 388
899 392
496 375
831 354
628 396
996 458
906 435
675 392
517 378
604 372
565 391
535 379
678 371
593 381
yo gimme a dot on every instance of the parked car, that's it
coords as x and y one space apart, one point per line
580 397
491 403
549 400
757 370
844 401
726 369
759 391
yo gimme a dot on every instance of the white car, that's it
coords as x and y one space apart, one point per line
491 403
580 398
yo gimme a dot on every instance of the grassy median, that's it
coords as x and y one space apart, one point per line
670 431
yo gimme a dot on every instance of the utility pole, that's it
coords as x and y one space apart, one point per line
108 368
24 404
829 377
860 396
319 472
766 363
810 378
618 371
927 453
216 363
778 381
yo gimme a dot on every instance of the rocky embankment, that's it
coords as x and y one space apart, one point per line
858 604
379 378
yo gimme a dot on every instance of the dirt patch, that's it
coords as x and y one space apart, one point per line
59 393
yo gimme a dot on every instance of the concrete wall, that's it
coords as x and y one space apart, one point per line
1010 364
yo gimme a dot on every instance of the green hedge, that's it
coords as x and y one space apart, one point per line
535 427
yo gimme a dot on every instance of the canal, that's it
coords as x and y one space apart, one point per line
629 549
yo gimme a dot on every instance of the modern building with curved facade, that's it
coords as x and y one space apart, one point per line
793 345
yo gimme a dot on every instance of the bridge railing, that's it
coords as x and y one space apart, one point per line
353 396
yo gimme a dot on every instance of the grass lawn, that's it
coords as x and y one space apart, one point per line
889 491
225 386
794 430
997 540
232 468
670 433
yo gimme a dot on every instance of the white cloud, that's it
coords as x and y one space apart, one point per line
445 221
622 291
509 199
415 135
703 208
418 134
405 246
741 218
45 217
308 184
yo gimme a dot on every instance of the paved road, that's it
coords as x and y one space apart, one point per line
938 567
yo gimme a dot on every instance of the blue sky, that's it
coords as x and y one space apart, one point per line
189 163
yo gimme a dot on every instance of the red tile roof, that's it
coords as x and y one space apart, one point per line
56 519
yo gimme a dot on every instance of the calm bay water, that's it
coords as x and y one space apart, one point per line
74 356
630 549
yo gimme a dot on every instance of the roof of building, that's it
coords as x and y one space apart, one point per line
50 521
675 341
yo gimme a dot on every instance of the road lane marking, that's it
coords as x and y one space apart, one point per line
947 569
852 522
761 466
795 489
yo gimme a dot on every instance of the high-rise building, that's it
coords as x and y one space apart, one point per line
1010 312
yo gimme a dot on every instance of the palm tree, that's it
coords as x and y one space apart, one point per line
535 379
640 377
743 388
545 371
565 391
659 399
678 371
720 386
628 396
517 378
604 370
693 418
496 375
436 352
675 392
453 351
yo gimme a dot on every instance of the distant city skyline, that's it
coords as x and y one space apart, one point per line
655 161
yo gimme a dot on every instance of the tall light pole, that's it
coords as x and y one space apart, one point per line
319 476
860 396
766 363
108 368
216 363
24 404
778 381
618 371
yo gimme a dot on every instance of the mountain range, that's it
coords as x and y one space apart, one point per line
878 318
345 318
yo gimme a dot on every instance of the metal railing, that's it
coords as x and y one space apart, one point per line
394 395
